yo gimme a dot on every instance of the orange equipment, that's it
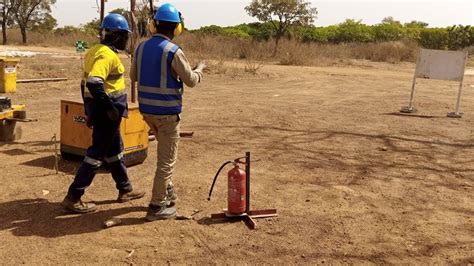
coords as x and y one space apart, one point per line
76 137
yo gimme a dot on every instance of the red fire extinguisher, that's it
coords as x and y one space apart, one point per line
236 188
236 198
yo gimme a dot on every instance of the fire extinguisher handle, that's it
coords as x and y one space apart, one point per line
215 178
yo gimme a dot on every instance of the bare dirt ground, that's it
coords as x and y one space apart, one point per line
352 179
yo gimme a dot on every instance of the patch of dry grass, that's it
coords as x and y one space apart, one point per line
253 55
292 52
46 66
50 39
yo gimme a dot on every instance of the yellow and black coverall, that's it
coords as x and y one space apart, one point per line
105 103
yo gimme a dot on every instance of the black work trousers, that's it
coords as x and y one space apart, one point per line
106 146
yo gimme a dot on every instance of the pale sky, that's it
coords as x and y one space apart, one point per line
199 13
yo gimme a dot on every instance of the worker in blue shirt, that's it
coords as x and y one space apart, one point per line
161 70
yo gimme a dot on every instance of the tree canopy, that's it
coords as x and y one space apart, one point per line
282 14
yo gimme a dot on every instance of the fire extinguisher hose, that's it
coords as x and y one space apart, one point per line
215 178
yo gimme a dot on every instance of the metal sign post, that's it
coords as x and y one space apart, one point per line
439 65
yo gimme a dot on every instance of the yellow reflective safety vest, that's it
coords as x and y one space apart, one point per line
103 62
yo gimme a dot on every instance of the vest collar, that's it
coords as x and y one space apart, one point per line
162 36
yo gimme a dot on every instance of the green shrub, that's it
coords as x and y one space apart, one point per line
234 32
459 37
319 34
388 32
472 36
352 31
434 38
211 30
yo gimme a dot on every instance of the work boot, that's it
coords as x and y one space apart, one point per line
78 206
128 196
171 196
160 213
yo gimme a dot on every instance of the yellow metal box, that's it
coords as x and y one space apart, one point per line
8 71
76 137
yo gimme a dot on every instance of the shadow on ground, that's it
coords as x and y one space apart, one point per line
39 217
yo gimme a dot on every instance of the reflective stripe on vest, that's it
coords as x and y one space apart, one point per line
158 94
111 77
114 94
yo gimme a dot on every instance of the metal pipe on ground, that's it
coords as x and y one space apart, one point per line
182 134
41 80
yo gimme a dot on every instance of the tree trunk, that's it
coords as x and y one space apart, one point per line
23 34
277 41
4 32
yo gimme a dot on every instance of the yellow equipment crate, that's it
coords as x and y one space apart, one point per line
8 71
9 130
76 137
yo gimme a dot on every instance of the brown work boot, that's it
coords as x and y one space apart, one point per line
128 196
78 206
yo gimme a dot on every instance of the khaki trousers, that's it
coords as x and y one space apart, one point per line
166 129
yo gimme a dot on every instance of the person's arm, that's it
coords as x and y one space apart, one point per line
95 82
181 66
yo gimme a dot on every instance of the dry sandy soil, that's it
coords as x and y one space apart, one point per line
352 179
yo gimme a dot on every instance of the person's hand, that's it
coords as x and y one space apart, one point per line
113 114
89 122
201 67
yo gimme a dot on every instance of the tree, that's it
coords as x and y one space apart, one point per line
92 27
29 12
47 24
354 31
120 11
282 14
6 9
389 30
417 24
459 37
142 14
391 20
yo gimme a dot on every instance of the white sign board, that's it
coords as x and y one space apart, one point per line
10 69
441 65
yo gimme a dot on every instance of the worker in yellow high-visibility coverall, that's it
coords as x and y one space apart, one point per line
105 102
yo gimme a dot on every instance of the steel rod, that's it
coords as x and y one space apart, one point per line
458 102
247 177
412 95
132 49
102 15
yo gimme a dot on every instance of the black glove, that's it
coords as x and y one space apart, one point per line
113 114
89 121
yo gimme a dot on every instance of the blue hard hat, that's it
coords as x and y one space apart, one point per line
168 12
115 22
